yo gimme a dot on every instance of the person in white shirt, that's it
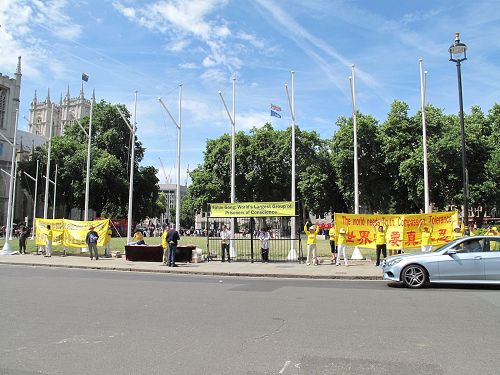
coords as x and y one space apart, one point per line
225 236
264 237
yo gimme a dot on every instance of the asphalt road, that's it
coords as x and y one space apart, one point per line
68 321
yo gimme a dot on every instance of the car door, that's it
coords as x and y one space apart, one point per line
464 262
491 258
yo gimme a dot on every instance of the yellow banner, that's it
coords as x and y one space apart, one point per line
252 209
70 233
402 232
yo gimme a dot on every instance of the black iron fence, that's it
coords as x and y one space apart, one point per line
245 244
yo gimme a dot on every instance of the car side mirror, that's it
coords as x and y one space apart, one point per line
451 252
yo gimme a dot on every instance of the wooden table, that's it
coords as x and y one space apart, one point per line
154 253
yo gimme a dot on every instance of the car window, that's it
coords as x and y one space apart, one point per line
470 246
492 245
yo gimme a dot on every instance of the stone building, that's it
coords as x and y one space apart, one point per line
63 113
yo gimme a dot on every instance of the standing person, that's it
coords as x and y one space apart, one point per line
380 240
164 244
333 248
107 249
91 241
457 233
425 232
225 236
264 237
48 241
23 235
173 239
342 245
311 233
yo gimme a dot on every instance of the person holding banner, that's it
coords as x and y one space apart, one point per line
342 245
311 233
48 241
380 228
91 241
425 232
457 233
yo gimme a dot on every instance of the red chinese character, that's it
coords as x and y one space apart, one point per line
364 237
412 240
442 235
395 238
350 236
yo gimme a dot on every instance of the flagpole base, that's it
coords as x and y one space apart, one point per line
7 249
356 254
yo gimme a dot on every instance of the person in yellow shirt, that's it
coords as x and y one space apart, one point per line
380 228
164 244
139 238
48 241
333 248
107 249
457 232
311 233
425 232
342 245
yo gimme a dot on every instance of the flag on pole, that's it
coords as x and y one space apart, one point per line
85 77
275 114
275 108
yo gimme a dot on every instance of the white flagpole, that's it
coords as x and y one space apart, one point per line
131 182
232 119
34 200
7 249
14 189
356 253
178 190
355 135
292 254
87 180
47 173
55 193
423 87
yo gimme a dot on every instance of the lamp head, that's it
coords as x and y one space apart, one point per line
458 51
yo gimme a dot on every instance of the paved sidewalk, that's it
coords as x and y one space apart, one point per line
364 270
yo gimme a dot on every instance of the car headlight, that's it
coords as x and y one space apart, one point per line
392 262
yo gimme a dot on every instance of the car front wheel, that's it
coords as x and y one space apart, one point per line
414 276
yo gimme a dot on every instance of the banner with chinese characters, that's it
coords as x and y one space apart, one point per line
402 230
252 209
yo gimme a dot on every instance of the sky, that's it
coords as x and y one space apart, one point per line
152 46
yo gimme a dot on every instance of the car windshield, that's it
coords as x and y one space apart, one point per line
445 246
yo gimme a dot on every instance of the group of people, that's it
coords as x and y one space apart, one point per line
338 242
264 236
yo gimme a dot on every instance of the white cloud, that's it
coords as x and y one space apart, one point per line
248 120
178 45
215 76
187 22
19 35
188 66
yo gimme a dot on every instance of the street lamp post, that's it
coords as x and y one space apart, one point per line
458 54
